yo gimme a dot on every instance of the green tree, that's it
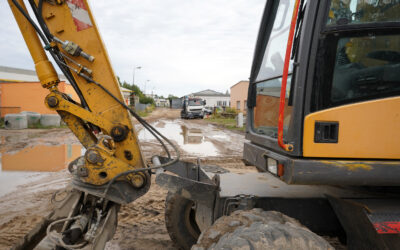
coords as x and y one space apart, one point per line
137 91
171 97
146 100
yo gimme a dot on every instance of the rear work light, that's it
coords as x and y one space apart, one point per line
274 167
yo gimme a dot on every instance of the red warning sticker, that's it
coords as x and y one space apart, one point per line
387 227
80 14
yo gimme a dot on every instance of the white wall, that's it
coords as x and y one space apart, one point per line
14 76
212 101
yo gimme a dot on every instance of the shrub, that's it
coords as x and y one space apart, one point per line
146 100
230 110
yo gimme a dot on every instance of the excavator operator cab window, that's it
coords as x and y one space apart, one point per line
269 78
343 12
365 67
360 63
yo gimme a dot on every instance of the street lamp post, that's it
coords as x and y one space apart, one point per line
134 69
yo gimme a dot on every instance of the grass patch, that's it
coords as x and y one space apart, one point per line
229 123
147 111
1 122
142 113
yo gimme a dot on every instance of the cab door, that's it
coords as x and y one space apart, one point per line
267 71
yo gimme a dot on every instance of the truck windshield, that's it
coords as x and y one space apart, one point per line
343 12
195 103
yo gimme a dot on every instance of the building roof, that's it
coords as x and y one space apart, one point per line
23 82
243 81
125 89
10 74
209 92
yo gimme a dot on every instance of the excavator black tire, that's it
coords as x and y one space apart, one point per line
257 229
180 221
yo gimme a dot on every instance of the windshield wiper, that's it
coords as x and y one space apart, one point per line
299 25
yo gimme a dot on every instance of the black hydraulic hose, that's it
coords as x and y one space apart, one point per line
55 53
46 42
42 36
58 61
145 124
40 19
38 14
154 131
150 128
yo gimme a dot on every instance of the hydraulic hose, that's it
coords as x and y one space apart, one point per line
62 64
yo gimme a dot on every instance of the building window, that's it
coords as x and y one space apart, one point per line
224 103
238 105
245 104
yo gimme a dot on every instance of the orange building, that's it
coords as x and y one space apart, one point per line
20 90
239 96
28 96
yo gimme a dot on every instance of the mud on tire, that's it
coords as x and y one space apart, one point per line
180 221
258 229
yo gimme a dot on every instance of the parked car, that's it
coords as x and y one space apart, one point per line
207 111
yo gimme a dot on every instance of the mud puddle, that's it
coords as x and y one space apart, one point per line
192 138
32 163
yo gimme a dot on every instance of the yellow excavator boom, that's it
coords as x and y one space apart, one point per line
112 170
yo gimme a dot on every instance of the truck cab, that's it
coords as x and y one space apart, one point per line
192 108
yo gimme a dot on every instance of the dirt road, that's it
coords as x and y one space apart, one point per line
141 223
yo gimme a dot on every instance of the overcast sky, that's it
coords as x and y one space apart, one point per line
183 46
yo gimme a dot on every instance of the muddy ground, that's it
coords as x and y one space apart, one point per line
141 223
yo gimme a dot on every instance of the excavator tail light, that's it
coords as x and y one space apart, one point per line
272 166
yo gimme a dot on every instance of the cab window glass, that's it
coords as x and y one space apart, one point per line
273 60
343 12
366 67
266 111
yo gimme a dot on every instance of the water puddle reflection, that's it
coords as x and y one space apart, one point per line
191 140
20 167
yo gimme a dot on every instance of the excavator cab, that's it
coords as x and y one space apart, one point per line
322 129
337 119
342 93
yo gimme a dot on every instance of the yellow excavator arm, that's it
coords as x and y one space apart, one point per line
112 171
73 33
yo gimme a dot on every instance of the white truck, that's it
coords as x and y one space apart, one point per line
192 107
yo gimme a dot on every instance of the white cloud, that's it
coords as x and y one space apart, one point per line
183 46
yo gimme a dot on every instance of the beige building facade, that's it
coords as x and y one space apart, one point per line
239 96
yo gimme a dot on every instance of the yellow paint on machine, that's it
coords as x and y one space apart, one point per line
351 166
366 130
105 112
